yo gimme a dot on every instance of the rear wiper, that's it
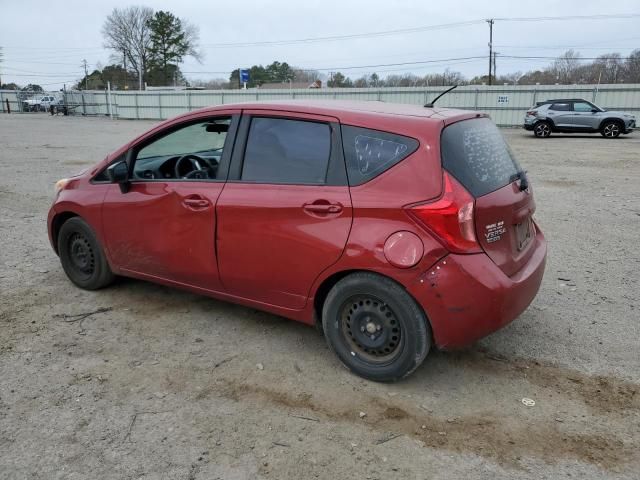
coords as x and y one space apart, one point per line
522 176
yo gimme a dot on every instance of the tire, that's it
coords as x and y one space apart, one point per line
81 255
611 129
375 327
542 129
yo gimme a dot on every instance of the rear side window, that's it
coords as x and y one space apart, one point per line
561 107
287 151
368 153
475 153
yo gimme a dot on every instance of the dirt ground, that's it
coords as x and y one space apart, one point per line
162 384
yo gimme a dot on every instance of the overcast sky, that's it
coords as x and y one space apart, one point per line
45 42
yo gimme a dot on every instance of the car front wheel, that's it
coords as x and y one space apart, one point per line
375 327
542 129
611 130
81 255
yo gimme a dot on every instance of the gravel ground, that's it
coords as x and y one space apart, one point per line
162 384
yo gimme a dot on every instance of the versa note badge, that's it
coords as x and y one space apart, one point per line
494 231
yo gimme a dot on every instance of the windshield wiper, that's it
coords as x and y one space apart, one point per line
522 176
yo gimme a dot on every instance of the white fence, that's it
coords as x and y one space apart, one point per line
505 104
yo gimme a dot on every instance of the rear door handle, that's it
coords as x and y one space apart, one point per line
322 207
195 202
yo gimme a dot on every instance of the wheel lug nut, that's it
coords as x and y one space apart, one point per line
362 329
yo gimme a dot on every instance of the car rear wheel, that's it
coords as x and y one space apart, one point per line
375 327
81 255
611 130
542 129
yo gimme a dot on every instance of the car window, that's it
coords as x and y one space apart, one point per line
476 154
582 107
562 107
180 153
286 151
368 153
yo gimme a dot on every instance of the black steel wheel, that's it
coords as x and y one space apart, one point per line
81 255
371 328
375 327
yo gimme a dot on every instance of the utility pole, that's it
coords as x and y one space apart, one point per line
124 63
86 74
140 74
495 75
491 59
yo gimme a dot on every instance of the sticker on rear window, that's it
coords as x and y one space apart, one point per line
370 152
374 153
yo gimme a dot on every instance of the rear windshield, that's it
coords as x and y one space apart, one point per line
475 153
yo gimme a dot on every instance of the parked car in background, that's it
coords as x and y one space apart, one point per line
575 115
395 228
40 102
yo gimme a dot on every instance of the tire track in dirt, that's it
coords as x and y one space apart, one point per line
490 434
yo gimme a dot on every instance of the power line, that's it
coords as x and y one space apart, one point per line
13 60
332 38
49 75
356 67
568 17
401 31
602 57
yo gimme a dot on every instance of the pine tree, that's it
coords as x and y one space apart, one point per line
170 43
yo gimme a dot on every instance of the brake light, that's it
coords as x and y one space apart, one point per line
450 218
532 113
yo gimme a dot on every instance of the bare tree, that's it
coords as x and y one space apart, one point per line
609 68
632 67
192 38
126 30
303 75
566 67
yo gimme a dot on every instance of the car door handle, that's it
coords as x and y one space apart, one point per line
322 207
195 202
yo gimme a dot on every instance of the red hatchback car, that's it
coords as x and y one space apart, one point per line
393 227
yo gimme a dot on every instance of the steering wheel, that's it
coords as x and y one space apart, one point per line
200 166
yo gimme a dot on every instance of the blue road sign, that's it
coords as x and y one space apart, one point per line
244 75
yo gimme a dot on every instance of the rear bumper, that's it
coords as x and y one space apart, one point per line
467 297
528 126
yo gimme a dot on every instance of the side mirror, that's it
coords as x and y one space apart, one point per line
594 110
119 173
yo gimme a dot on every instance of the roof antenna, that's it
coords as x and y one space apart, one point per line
432 102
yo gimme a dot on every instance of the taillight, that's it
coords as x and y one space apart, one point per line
450 217
532 113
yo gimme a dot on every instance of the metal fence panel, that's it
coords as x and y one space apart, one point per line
505 103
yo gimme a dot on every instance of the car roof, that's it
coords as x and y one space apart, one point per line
347 108
562 100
